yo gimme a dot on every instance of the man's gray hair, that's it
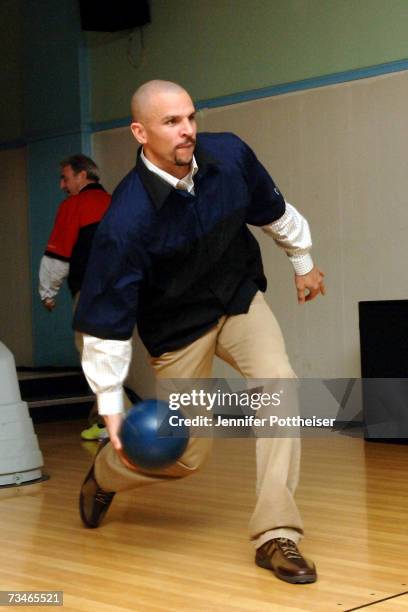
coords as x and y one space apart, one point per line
81 162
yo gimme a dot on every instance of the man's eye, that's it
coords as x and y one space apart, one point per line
170 121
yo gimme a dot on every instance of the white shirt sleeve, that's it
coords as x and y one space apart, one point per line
51 276
106 364
291 232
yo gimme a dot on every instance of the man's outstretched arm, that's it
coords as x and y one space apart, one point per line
291 232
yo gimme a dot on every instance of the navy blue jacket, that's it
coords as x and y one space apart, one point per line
172 262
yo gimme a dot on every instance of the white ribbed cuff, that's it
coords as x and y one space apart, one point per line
302 263
110 402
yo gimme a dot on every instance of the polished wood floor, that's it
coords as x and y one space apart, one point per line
183 545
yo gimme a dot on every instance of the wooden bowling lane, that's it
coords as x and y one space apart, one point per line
183 545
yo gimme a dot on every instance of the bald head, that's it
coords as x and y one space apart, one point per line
164 124
146 97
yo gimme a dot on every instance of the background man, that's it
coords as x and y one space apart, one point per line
69 245
174 256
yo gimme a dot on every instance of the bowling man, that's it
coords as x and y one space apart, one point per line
175 257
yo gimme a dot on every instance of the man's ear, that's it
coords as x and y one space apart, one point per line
138 132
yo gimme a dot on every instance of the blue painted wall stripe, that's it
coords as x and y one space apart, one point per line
101 126
312 83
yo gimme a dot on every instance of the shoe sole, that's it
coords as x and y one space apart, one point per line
81 503
85 521
292 580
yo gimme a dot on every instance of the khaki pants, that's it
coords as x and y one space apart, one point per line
252 343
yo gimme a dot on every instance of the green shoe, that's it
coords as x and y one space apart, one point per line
95 432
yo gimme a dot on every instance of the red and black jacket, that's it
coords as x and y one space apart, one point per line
71 238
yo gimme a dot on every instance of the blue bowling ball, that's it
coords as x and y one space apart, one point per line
149 440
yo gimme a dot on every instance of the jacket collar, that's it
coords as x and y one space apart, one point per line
90 186
158 189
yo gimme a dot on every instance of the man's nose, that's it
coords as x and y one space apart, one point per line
187 127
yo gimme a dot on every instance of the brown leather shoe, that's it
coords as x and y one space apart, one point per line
282 556
94 502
